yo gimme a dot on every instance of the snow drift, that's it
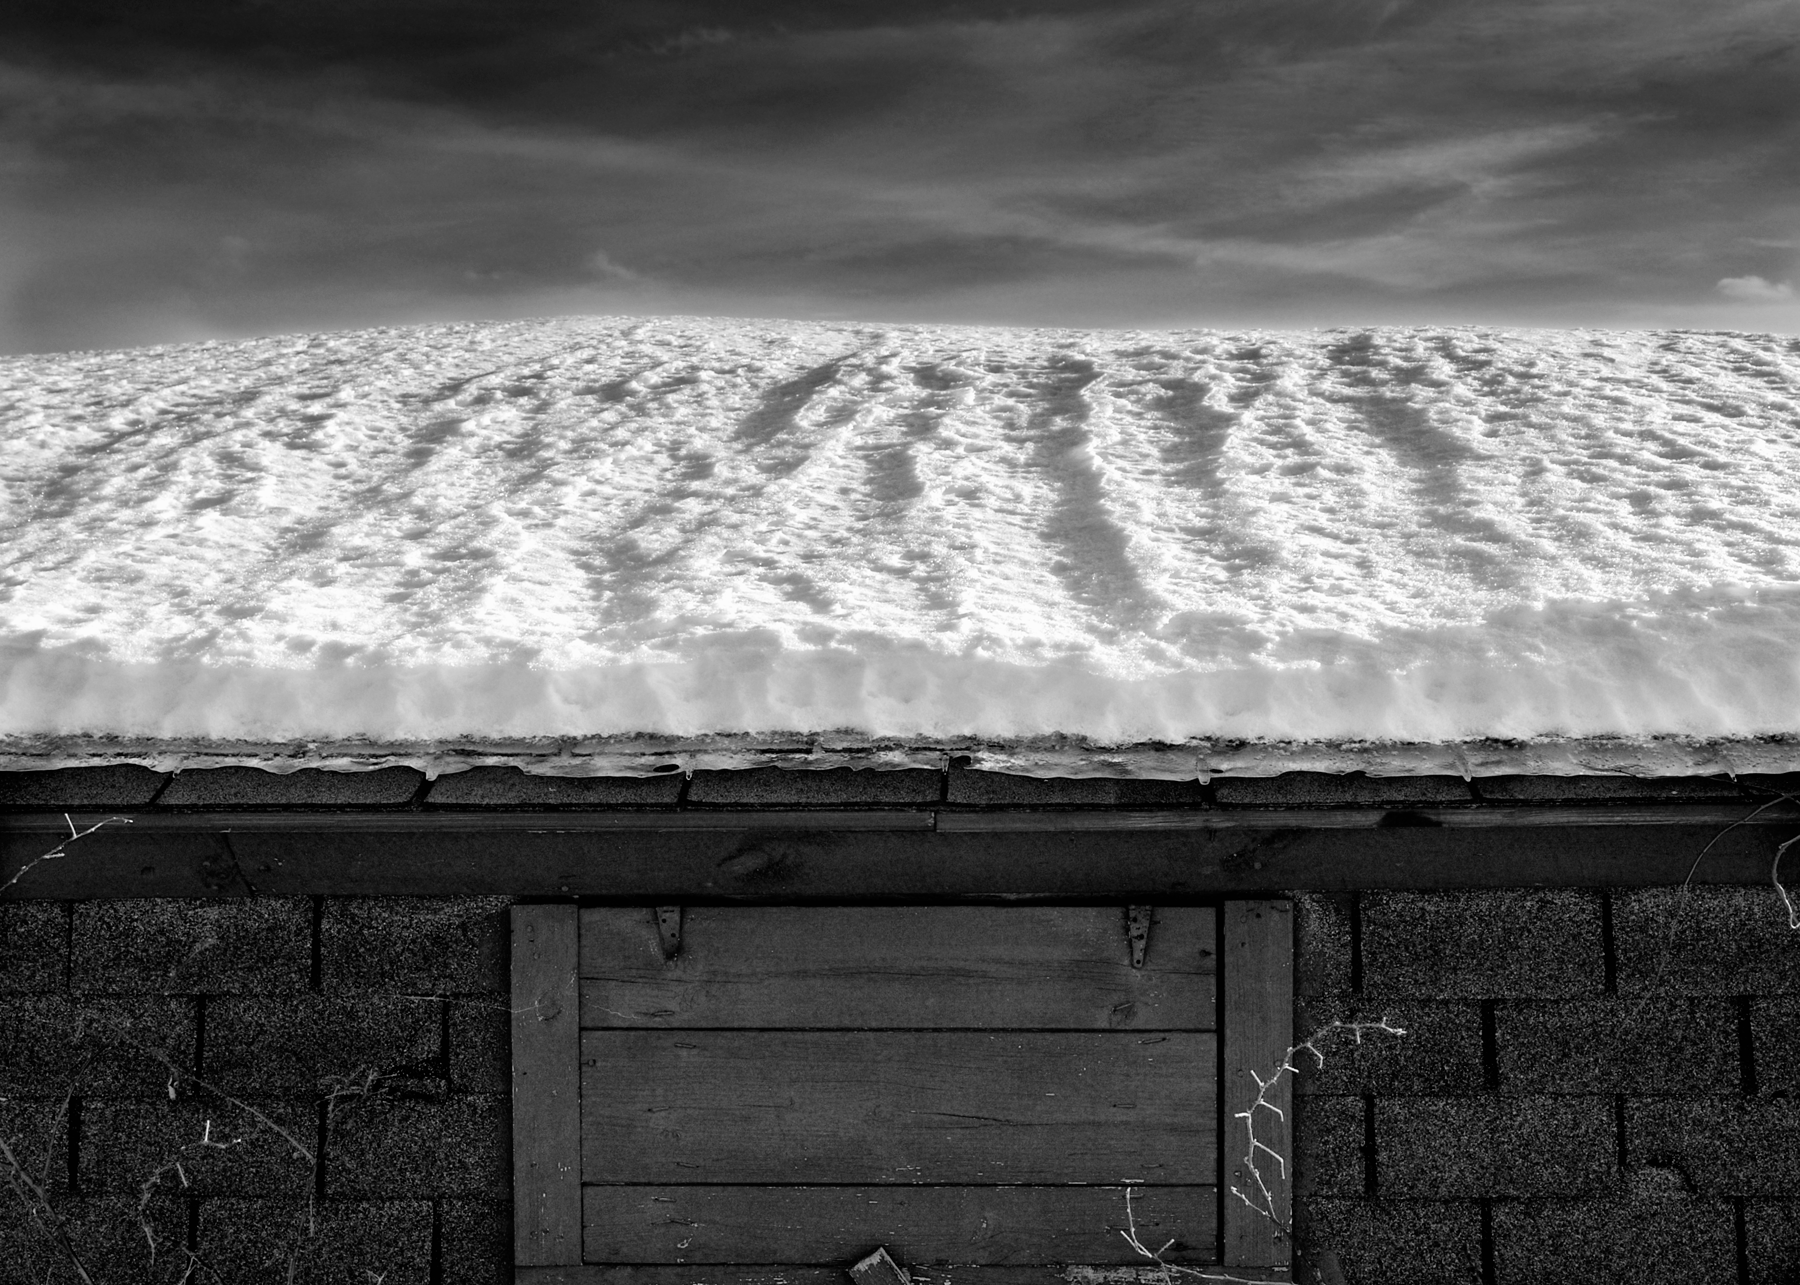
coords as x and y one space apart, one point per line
589 544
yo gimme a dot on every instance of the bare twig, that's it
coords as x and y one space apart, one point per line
1743 820
39 1209
301 1150
147 1189
52 1225
60 850
1262 1200
363 1084
1681 900
1167 1271
1775 878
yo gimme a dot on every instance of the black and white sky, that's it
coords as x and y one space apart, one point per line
212 168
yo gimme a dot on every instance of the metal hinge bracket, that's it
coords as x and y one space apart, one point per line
668 928
1137 932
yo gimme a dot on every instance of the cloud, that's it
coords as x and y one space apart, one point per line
602 265
1006 160
1755 288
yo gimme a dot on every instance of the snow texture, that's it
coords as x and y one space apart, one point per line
597 544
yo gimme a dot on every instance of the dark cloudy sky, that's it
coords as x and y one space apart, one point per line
197 168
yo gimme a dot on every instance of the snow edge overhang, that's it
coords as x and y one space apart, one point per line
1047 757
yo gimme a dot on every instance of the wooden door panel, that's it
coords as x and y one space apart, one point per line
897 1107
1259 1016
766 1093
793 1274
946 967
546 1086
997 1226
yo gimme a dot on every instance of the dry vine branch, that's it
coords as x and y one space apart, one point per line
363 1083
301 1150
1167 1271
1266 1208
60 850
1357 1030
147 1193
1681 900
37 1204
1775 878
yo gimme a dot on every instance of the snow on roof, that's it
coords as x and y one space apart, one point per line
597 545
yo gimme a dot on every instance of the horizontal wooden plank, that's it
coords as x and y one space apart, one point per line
786 1274
778 866
973 967
1045 821
476 822
569 821
836 1225
897 1107
1468 816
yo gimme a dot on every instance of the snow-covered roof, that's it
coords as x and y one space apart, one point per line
600 545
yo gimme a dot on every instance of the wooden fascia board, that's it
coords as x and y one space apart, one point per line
942 820
776 856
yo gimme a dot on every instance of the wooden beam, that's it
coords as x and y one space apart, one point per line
409 822
546 1086
833 1226
180 856
1466 816
936 967
783 1274
1256 976
898 1107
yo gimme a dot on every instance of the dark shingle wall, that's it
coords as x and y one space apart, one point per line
1549 1116
329 1074
1595 1086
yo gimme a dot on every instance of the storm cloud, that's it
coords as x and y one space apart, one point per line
228 168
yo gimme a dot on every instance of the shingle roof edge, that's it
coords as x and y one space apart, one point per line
1065 758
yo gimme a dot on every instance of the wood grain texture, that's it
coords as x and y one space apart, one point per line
546 1087
783 1274
827 1225
879 1268
1257 1029
897 1107
776 866
969 967
994 821
497 820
